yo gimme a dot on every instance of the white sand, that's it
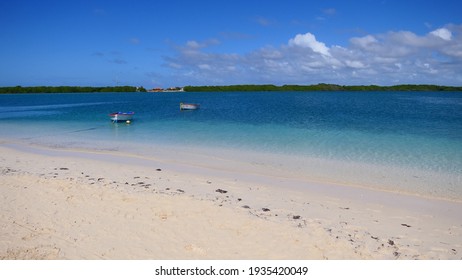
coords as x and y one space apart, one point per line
79 205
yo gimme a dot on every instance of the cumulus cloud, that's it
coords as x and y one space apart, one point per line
442 33
388 58
364 42
308 40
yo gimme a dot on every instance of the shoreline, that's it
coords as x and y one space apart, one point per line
227 88
269 167
274 217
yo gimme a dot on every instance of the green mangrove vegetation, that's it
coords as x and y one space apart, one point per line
69 89
323 87
267 87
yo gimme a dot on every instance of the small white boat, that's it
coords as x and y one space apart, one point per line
121 116
189 106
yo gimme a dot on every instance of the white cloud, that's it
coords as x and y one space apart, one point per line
204 66
308 40
442 33
200 45
388 58
406 38
193 44
364 42
354 64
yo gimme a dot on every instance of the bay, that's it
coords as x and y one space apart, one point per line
418 134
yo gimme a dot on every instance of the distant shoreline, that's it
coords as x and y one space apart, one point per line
228 88
69 89
323 87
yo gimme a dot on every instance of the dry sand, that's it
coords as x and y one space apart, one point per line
81 205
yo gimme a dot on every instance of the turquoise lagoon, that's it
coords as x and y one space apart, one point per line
399 141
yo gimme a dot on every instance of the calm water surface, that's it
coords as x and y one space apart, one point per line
401 130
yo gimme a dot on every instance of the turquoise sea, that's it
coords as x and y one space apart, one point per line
399 141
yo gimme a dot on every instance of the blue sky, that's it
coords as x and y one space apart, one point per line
206 42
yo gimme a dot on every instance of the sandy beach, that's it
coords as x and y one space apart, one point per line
58 204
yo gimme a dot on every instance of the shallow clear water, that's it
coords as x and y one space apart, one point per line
403 130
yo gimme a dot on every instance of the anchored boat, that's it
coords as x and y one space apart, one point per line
121 116
189 106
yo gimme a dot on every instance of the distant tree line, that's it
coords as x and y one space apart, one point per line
69 89
322 87
268 87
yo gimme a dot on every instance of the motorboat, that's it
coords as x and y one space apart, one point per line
189 106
